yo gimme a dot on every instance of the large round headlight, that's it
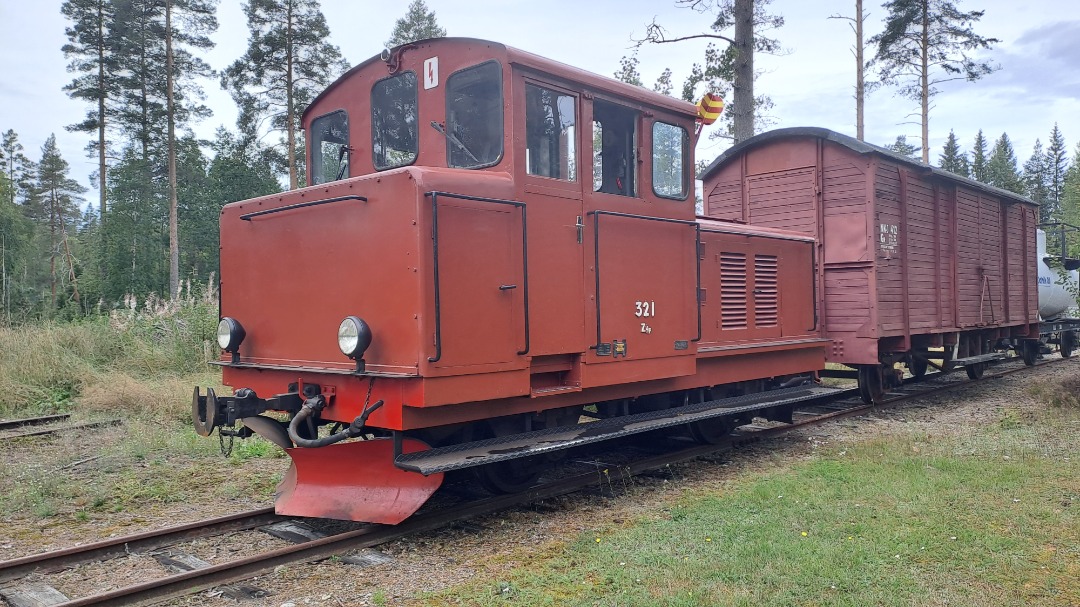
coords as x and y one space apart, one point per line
230 334
353 337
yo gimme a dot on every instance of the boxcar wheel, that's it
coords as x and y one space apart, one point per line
1068 343
1030 351
871 384
918 365
975 371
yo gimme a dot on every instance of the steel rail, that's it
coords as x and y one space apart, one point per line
8 424
47 431
192 581
148 540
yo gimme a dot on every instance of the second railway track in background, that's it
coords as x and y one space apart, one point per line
14 428
842 403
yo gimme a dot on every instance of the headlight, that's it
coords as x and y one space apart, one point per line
230 334
353 337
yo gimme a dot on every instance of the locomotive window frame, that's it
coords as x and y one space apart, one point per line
618 141
457 142
683 154
376 132
318 153
565 143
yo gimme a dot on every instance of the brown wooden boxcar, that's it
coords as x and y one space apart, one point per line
911 257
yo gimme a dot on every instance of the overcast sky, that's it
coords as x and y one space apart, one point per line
811 84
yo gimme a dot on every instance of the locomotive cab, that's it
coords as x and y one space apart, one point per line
489 242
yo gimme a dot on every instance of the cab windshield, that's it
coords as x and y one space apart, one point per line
474 116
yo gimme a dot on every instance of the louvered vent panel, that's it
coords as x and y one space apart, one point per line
766 306
732 291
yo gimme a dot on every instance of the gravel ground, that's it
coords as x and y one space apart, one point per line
482 549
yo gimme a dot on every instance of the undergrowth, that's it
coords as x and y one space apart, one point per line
133 359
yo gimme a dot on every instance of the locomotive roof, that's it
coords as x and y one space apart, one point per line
857 146
543 65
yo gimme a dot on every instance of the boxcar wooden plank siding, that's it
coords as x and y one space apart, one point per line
910 255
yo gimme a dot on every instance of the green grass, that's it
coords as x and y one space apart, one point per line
989 517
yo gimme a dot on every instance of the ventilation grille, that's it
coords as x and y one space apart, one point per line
765 298
732 291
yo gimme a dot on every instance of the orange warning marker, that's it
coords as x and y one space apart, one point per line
709 108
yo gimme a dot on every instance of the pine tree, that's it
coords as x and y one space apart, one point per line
902 147
1070 192
1035 180
731 67
90 52
628 70
860 64
952 159
17 167
927 43
663 82
59 196
288 61
979 159
199 20
419 23
1057 163
1001 167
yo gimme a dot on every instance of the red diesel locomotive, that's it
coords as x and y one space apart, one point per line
497 258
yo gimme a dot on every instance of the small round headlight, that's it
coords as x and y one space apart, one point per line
230 334
353 336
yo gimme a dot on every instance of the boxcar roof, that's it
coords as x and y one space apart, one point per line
860 147
546 66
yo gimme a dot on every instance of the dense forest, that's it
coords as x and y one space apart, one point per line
137 65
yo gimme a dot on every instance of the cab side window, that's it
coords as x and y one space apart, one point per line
330 147
474 116
550 133
394 121
614 149
670 151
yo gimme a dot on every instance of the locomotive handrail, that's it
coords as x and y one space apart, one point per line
435 253
596 252
300 205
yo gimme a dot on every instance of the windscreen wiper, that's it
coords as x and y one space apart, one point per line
453 139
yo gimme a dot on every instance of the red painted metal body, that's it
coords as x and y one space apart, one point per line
494 291
911 256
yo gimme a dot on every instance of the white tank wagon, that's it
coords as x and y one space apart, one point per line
1059 286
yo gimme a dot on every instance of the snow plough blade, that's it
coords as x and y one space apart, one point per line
354 481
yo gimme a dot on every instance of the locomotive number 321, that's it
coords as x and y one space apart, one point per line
644 309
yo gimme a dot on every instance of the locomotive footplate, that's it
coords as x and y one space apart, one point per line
538 442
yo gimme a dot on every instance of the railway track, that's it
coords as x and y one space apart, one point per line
840 404
6 426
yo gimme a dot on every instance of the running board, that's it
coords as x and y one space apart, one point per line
548 440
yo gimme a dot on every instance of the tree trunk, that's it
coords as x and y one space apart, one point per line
743 86
290 111
52 245
101 109
174 243
925 81
860 84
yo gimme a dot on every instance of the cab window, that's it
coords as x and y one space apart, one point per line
670 150
329 147
614 149
550 133
474 116
394 121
